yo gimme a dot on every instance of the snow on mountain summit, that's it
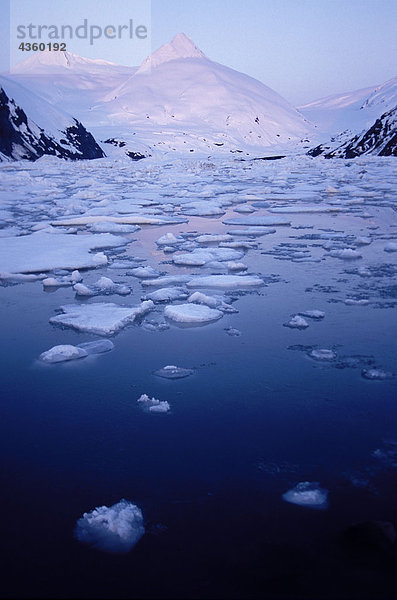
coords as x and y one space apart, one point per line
179 90
181 46
42 62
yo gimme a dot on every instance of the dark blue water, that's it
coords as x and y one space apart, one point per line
256 418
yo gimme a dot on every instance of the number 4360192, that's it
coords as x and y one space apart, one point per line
56 47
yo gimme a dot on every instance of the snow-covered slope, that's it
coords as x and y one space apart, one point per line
75 83
380 139
354 123
179 89
30 127
352 112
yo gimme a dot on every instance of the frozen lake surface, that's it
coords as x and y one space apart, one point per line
291 376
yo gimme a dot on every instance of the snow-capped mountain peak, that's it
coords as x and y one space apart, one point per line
46 61
181 46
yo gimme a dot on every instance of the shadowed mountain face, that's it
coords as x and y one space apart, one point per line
380 139
22 138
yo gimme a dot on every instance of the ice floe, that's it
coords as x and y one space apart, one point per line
356 302
153 405
117 528
45 252
313 314
212 301
166 281
323 354
345 254
213 238
97 346
144 272
255 220
376 374
254 231
173 372
138 219
168 294
192 313
308 494
53 282
169 239
297 322
110 227
233 332
62 353
226 281
104 286
201 256
100 318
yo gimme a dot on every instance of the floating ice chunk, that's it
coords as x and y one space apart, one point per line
76 277
44 252
200 298
213 238
376 374
226 281
233 332
144 272
100 318
201 256
19 277
97 346
167 280
345 254
121 264
169 239
313 314
390 247
112 529
104 285
297 322
173 372
109 227
254 231
363 241
167 294
84 290
151 325
202 209
153 405
244 208
309 494
305 208
107 286
128 219
52 282
363 272
323 354
192 313
62 353
212 301
255 220
354 302
236 266
244 245
100 258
